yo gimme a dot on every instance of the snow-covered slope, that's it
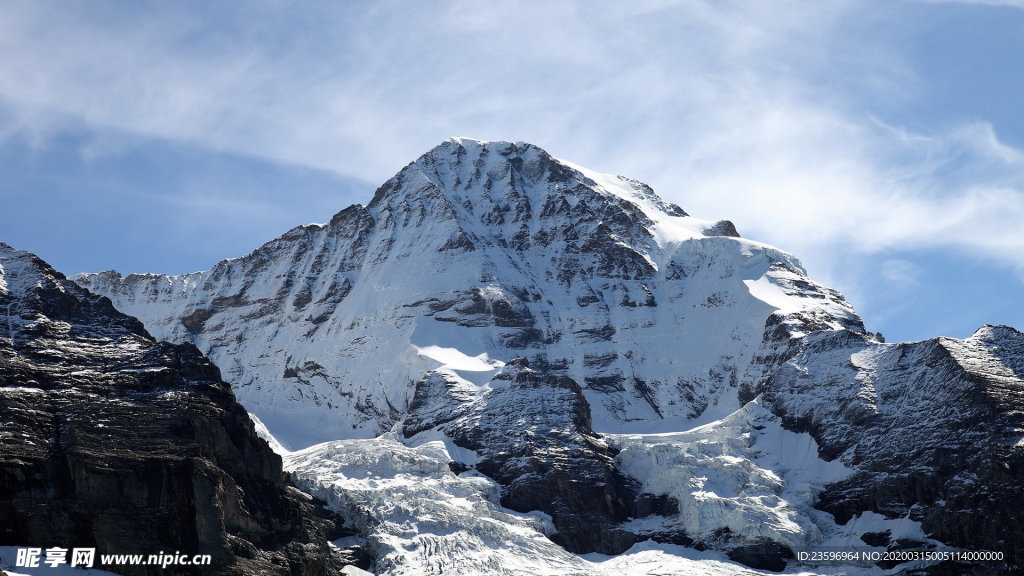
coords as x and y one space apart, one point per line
475 254
423 519
740 479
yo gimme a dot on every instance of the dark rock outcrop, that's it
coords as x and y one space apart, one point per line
114 441
532 432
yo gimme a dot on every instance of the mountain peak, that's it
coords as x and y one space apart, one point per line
486 248
464 142
472 164
518 184
34 294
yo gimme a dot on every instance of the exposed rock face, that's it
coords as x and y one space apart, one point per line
114 441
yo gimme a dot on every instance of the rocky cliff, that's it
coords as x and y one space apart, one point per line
115 441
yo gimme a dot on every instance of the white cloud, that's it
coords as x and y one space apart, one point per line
901 274
743 110
361 89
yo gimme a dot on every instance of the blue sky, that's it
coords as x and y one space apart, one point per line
881 142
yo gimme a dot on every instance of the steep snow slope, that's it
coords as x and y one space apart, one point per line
477 253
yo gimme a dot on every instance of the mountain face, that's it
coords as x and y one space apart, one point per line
568 355
470 256
115 441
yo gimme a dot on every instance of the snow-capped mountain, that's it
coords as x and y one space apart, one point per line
565 353
475 254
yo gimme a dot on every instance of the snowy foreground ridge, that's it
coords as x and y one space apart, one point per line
509 364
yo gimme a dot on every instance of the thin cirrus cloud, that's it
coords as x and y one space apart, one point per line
1007 3
762 114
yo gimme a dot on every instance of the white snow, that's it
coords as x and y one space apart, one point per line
456 453
743 472
667 229
146 369
848 535
324 332
767 291
652 559
263 432
20 390
453 359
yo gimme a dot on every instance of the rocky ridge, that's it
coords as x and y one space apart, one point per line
115 441
933 429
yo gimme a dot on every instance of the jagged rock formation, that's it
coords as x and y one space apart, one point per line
543 321
115 441
934 429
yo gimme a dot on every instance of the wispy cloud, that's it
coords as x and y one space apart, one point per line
753 111
901 274
1008 3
